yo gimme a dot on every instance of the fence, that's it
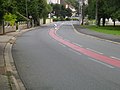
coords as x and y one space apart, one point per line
21 26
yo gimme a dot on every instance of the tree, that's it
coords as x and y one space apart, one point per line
68 12
11 18
1 11
105 9
61 11
36 8
56 9
6 6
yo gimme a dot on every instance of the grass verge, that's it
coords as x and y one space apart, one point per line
107 29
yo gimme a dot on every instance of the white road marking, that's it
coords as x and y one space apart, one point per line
115 57
62 44
94 50
67 40
95 37
102 63
75 51
77 44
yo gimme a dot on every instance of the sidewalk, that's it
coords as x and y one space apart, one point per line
113 38
4 83
4 40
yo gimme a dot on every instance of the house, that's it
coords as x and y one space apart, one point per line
53 1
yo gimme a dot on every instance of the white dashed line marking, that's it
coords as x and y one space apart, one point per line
67 40
101 63
94 50
115 57
75 51
62 44
77 44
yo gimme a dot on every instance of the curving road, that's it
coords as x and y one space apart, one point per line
51 59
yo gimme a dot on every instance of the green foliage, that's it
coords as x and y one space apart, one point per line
56 19
106 9
59 19
107 29
35 8
1 11
7 6
75 19
91 9
68 19
11 18
61 11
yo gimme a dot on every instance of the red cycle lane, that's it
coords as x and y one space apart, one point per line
102 58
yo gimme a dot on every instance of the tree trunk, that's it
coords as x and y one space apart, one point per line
3 27
98 22
103 22
114 22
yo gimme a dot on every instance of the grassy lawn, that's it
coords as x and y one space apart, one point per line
107 29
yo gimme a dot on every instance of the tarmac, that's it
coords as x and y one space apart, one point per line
108 37
9 38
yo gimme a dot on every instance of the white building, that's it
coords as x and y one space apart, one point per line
54 1
81 1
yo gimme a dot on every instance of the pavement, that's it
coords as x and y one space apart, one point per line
4 39
83 30
6 83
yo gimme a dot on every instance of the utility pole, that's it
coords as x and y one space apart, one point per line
82 12
79 12
3 27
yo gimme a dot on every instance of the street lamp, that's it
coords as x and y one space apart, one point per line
82 13
79 12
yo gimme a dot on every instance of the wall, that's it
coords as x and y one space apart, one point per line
10 29
22 25
1 30
49 21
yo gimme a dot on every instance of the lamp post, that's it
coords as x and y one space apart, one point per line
79 13
82 16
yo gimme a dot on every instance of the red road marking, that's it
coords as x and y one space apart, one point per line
105 59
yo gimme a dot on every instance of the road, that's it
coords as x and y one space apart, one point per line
49 59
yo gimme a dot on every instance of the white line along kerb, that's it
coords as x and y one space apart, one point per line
102 63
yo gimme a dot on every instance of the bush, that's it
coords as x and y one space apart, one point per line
56 19
59 19
62 19
75 19
11 18
67 19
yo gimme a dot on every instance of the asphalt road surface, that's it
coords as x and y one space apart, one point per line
50 58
